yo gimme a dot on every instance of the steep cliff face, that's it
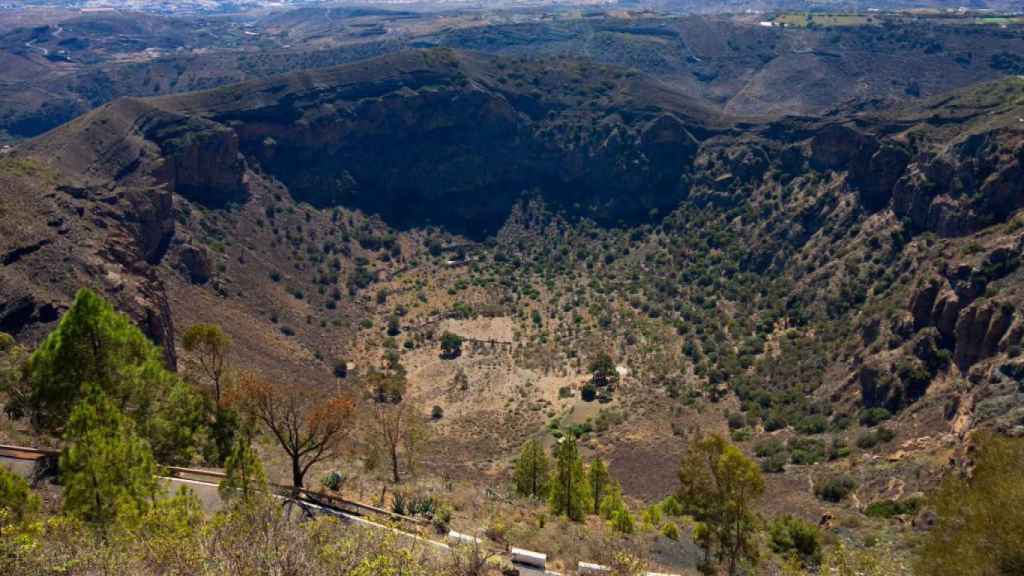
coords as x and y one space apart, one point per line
445 138
455 140
201 159
57 238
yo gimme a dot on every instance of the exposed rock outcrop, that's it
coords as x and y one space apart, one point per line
19 312
876 178
838 147
195 262
202 161
979 329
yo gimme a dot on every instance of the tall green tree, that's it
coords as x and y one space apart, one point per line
243 471
569 492
107 469
597 477
720 487
980 515
178 428
208 347
95 344
611 501
532 470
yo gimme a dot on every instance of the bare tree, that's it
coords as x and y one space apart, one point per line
393 420
309 423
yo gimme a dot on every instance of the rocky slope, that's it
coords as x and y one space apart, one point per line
803 269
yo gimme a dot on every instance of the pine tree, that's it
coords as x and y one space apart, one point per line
719 486
107 469
243 470
570 492
597 476
622 521
612 501
95 344
179 426
532 470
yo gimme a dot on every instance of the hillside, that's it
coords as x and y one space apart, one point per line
792 281
730 62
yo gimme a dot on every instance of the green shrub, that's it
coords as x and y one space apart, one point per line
16 497
670 531
835 489
874 416
333 481
870 439
815 424
891 508
803 451
670 506
838 449
775 463
737 421
622 521
769 447
791 535
588 392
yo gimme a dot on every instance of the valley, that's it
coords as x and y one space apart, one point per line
463 238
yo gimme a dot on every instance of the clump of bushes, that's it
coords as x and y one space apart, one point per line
793 536
835 489
870 439
804 451
874 416
892 508
775 464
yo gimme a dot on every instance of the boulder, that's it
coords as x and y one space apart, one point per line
951 217
912 196
1003 190
195 262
